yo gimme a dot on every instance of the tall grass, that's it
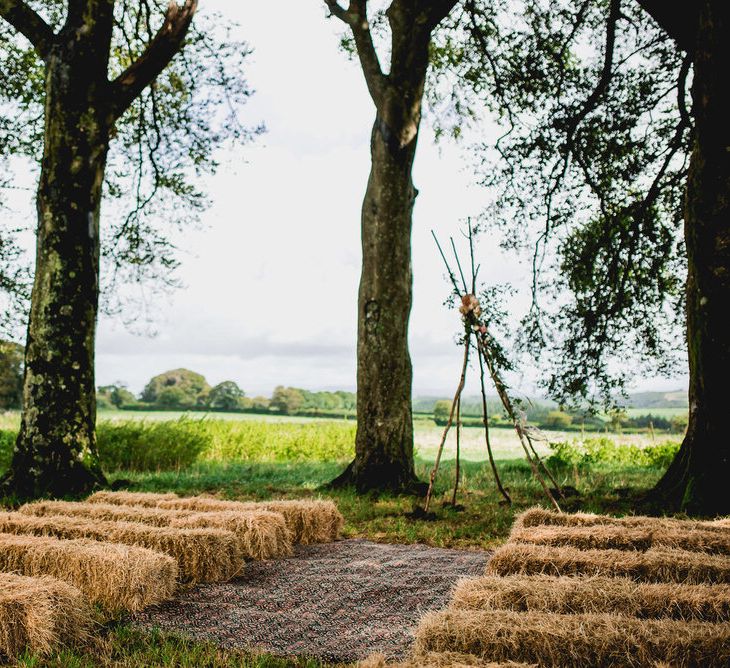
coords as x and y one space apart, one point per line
140 445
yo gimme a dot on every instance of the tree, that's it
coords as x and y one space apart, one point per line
384 441
189 387
99 78
286 400
441 411
174 397
621 180
11 375
557 420
226 396
696 481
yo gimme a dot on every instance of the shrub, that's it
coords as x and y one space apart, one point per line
140 445
605 451
557 420
679 424
149 446
7 443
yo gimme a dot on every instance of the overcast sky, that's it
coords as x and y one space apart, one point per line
270 292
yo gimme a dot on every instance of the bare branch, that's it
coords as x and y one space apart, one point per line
155 58
28 23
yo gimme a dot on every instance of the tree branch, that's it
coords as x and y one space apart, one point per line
678 19
438 10
356 17
155 58
28 23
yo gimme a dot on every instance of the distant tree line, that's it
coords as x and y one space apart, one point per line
182 389
547 416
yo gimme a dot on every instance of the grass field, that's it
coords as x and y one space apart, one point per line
261 466
240 433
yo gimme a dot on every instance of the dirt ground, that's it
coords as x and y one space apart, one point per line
339 602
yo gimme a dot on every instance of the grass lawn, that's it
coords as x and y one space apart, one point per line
482 524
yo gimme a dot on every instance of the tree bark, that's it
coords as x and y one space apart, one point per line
384 440
697 480
56 452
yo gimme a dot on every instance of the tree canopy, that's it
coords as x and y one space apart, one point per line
167 139
588 176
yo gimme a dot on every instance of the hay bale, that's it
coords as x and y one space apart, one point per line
577 641
146 499
576 595
602 537
202 555
438 660
309 521
117 577
317 521
654 565
260 534
540 516
40 614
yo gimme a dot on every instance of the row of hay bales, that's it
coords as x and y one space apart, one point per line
589 590
122 552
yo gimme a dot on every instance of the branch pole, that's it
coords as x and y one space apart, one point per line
506 402
458 450
485 418
544 467
457 397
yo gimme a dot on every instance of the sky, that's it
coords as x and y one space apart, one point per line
270 281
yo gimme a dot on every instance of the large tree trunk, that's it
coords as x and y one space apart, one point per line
697 481
56 451
384 441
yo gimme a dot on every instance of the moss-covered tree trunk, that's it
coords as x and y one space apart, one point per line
384 441
698 481
56 448
56 452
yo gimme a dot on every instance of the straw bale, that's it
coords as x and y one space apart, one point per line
575 595
540 516
310 521
617 537
40 614
315 521
202 555
147 499
260 534
118 577
654 565
437 660
568 641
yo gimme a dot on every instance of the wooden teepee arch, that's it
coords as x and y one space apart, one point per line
478 338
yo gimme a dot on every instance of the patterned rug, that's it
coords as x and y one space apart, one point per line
338 602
